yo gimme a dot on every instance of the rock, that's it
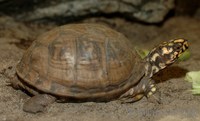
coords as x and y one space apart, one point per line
151 11
186 7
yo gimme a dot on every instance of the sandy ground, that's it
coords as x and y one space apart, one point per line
177 102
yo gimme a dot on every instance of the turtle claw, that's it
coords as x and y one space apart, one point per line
132 95
131 99
155 98
150 90
150 93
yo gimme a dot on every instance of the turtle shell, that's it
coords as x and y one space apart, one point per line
81 61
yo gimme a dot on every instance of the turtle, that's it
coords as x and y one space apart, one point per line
89 62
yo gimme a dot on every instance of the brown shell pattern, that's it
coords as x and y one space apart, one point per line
81 61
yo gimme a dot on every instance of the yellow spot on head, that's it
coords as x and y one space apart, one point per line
164 50
170 50
170 44
179 40
184 48
175 53
186 44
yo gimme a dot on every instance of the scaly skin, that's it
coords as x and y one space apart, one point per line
159 58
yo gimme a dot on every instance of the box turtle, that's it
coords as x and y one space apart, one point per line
89 62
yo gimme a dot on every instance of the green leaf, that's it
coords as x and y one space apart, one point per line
142 52
184 56
194 77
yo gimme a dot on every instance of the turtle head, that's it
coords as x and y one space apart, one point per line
165 54
170 51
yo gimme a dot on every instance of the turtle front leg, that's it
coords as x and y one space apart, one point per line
145 87
38 103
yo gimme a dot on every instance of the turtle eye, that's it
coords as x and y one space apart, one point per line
178 47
